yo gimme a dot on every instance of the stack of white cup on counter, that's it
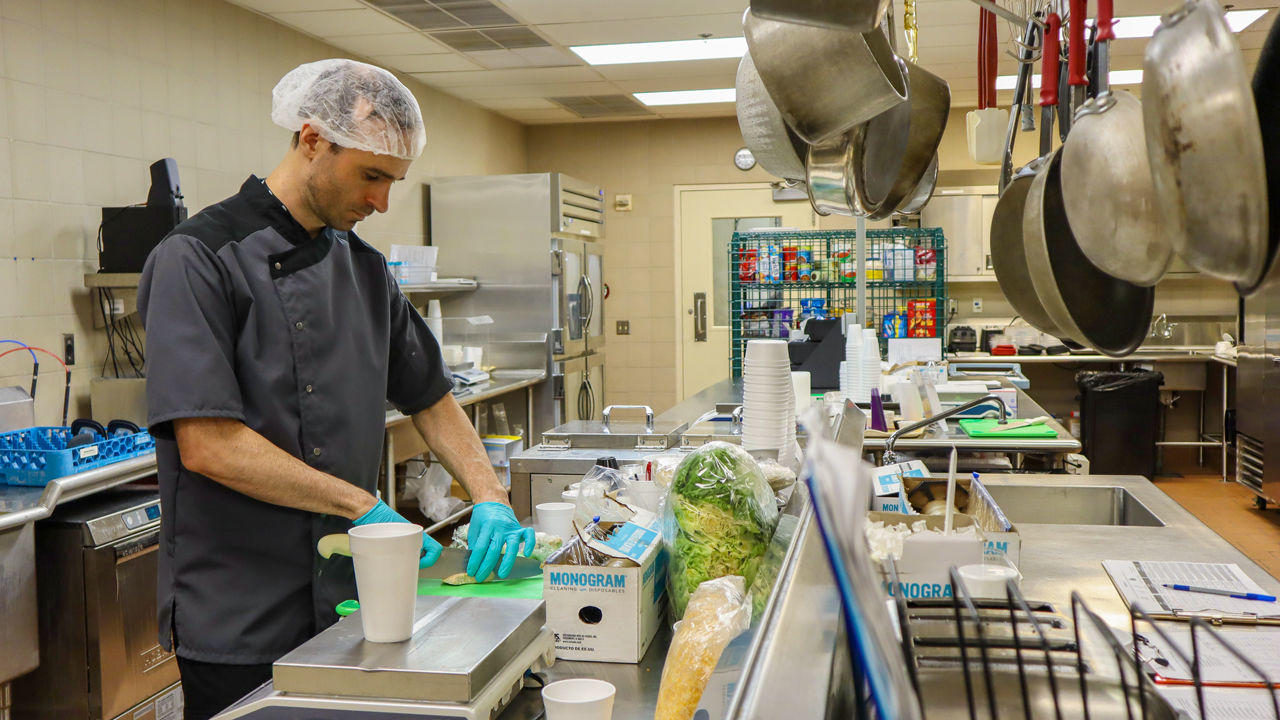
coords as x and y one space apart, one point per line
860 371
768 398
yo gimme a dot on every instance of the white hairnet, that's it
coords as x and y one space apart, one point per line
352 104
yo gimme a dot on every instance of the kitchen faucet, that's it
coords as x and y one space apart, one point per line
890 457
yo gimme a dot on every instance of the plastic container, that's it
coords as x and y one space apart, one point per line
579 699
386 562
38 455
988 581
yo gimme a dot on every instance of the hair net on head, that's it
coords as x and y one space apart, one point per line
352 104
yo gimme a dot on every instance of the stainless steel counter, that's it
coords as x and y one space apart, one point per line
20 505
1185 354
500 382
730 392
788 677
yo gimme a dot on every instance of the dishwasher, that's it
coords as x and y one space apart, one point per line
100 658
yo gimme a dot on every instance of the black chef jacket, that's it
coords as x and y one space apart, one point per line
303 339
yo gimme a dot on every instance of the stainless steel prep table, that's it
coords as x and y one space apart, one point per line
799 640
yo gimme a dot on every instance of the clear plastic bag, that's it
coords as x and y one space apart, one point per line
662 469
434 499
544 547
718 517
602 494
718 612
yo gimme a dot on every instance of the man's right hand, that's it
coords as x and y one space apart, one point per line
382 513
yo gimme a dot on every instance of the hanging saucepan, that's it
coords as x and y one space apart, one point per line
852 15
824 81
923 191
1266 93
897 146
1087 305
1107 187
778 150
1204 144
829 176
1008 253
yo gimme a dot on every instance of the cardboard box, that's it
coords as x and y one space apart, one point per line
1002 539
886 486
609 614
923 571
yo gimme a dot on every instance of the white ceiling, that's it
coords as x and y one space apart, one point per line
516 82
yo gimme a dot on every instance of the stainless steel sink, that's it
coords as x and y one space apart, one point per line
1072 505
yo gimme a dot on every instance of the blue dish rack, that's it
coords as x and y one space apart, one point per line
38 455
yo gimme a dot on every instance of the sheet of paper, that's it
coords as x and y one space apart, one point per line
1220 703
1140 584
903 350
1260 644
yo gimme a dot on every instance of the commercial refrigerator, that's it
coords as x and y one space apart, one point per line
533 244
1258 391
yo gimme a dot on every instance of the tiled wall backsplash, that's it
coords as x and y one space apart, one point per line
93 92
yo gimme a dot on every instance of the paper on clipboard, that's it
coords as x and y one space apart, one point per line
1220 703
1217 666
1140 584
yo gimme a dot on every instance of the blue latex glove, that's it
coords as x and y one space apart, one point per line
382 513
495 533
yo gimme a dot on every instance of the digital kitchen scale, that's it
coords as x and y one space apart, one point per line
466 659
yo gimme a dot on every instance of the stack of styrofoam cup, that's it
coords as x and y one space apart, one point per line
800 384
869 365
768 397
851 385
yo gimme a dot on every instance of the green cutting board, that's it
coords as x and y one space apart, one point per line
987 428
526 588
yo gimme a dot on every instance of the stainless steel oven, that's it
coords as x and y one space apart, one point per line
96 581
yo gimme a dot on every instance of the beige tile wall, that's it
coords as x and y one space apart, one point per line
92 92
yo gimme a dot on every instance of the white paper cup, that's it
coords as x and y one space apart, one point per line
578 699
766 350
988 581
386 559
555 518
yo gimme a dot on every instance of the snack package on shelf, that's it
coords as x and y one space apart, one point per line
718 611
718 517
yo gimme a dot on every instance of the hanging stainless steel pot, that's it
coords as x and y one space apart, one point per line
852 15
829 176
1204 144
778 150
823 81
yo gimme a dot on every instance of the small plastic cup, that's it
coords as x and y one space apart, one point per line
386 562
988 581
579 699
555 518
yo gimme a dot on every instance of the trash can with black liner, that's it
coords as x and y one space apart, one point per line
1120 418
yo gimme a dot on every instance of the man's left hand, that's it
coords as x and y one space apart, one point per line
496 534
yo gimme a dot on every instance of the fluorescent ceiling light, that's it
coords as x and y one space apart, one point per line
687 97
1144 26
1117 77
670 51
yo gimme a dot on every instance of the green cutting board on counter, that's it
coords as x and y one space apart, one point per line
523 588
989 428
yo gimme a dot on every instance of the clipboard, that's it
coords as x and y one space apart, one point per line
1139 584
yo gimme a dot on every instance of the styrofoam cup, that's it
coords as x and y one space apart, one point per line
386 561
988 581
555 518
579 699
767 350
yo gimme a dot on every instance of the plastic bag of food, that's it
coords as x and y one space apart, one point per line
544 544
602 494
718 611
662 469
718 517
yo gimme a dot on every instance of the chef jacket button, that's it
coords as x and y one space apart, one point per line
315 451
298 325
309 388
277 266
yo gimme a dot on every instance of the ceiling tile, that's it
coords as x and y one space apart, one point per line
405 43
480 13
516 104
569 11
334 23
511 77
478 92
645 30
423 16
426 64
278 6
697 82
499 59
542 116
547 56
656 71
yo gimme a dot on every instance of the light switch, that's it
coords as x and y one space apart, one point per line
624 327
622 203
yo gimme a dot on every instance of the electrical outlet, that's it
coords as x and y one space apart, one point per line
624 327
953 306
977 305
117 307
69 349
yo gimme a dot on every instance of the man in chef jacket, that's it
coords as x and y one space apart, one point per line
275 335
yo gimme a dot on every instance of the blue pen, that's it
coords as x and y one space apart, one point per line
1224 593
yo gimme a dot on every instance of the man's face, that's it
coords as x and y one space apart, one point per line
347 186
